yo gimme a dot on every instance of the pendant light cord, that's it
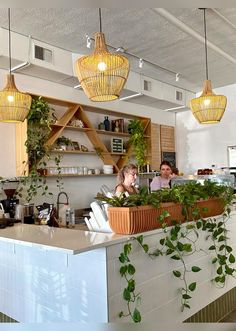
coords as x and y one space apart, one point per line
9 38
204 13
100 19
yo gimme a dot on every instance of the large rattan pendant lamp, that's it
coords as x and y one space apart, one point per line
208 108
14 105
102 74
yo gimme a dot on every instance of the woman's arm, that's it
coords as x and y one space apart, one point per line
155 184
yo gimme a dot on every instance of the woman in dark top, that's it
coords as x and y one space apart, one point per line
126 180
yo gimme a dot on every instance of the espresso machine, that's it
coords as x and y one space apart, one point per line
9 187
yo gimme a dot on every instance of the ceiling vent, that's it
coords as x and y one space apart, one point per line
42 53
179 95
147 85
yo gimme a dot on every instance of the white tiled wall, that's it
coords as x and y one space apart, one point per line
48 286
158 287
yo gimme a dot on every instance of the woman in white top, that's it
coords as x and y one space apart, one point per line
162 181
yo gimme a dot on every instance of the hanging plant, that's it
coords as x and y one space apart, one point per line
137 140
38 130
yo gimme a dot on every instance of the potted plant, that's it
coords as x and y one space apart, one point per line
141 212
63 143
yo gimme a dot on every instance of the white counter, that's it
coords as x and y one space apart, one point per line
65 240
62 275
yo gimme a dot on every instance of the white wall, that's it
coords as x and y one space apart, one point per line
201 146
81 191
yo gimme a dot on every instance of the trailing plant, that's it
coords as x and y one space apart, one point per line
38 130
39 120
181 240
137 139
127 270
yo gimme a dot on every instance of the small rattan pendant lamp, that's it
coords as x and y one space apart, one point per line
102 74
208 108
14 105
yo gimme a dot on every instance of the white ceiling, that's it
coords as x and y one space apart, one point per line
169 38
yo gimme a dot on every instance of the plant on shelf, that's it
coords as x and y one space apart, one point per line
180 240
39 120
63 141
137 140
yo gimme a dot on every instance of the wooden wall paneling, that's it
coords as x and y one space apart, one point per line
167 137
155 146
21 155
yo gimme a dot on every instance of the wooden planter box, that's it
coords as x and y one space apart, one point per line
130 220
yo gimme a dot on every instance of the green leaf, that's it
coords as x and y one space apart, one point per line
131 269
145 248
140 239
186 305
231 258
136 316
127 249
175 257
228 270
214 260
123 270
199 225
121 314
162 241
192 286
123 258
211 248
180 246
221 247
126 295
131 285
177 273
219 270
186 296
196 269
229 249
221 238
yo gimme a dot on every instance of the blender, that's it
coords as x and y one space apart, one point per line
9 187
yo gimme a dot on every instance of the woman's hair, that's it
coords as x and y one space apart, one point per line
123 171
167 163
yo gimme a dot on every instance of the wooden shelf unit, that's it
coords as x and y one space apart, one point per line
96 137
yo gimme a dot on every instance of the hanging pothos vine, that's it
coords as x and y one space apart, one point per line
179 242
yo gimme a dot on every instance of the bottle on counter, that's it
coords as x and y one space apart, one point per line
107 123
67 217
72 218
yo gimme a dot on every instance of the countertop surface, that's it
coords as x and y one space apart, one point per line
70 241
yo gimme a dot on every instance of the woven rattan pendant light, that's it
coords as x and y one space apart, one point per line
14 105
102 74
208 108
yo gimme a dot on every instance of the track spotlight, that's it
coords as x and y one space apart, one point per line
177 77
140 64
88 41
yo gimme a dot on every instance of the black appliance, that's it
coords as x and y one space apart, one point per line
9 188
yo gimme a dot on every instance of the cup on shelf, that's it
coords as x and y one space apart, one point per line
97 171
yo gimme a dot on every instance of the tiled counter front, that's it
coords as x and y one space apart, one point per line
158 287
55 275
38 285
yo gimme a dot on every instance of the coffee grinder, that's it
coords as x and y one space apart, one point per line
9 187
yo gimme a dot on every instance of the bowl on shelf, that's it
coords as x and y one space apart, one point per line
107 169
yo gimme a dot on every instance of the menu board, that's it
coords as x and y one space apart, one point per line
232 156
169 156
